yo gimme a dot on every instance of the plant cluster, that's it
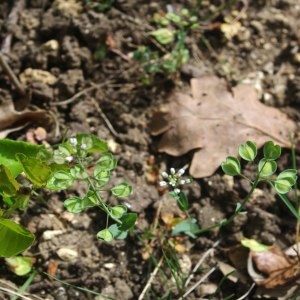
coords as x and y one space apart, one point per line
27 168
171 36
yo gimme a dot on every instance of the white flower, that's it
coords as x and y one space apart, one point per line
163 183
73 141
69 158
180 172
164 174
172 171
176 191
83 146
182 181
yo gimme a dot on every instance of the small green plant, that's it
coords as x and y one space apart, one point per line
171 39
266 168
27 168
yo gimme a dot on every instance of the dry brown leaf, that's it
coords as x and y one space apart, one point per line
215 121
276 268
11 119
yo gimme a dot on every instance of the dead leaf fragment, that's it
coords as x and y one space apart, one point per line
216 121
274 266
10 119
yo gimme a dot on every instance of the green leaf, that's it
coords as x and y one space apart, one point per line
102 177
93 143
188 227
282 186
9 149
289 174
266 167
117 233
128 221
271 151
182 201
8 185
163 35
254 245
37 171
248 151
122 190
13 238
231 166
106 162
78 173
76 204
20 265
105 235
60 180
118 211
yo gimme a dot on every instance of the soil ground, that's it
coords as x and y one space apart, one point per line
107 96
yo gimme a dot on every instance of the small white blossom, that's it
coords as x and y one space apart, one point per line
172 171
182 181
163 183
83 146
176 191
180 172
69 158
164 174
73 141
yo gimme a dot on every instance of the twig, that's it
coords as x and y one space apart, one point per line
205 255
199 282
13 78
150 280
105 119
74 97
11 21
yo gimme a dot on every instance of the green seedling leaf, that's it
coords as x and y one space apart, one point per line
288 174
9 149
20 265
231 166
122 190
76 204
266 167
93 143
248 151
163 35
61 180
117 233
282 186
8 185
102 177
271 151
106 162
37 171
182 201
105 235
13 238
254 245
118 211
128 221
78 173
188 227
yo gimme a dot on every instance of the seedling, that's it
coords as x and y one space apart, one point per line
266 168
26 168
171 37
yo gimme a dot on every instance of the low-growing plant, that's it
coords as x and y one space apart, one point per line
25 169
171 38
266 172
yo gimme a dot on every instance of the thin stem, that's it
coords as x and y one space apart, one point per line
100 202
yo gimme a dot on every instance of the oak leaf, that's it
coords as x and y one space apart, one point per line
214 121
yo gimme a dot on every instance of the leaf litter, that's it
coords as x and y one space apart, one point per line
214 120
